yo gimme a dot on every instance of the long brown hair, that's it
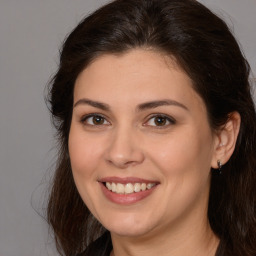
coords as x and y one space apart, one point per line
205 48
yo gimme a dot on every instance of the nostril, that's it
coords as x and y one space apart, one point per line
124 163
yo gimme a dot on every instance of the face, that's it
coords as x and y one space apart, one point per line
140 144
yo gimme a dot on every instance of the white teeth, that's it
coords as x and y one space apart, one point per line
143 186
128 188
113 187
137 187
119 188
108 185
150 185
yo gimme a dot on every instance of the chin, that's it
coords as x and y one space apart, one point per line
128 226
131 232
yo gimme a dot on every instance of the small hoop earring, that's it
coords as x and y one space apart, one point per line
219 166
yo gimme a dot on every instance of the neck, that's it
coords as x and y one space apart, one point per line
198 239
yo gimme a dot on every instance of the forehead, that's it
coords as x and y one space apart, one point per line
136 64
138 74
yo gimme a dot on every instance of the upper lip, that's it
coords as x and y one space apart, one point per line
126 180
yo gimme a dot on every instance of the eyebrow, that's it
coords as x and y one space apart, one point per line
92 103
140 107
159 103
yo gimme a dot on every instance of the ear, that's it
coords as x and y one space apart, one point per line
226 138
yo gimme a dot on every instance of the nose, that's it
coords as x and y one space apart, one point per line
124 149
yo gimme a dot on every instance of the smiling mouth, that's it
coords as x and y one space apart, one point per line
128 188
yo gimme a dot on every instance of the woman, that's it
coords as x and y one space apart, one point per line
157 138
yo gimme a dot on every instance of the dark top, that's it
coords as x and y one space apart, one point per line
103 246
100 247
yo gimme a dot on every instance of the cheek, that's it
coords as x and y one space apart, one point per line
183 156
84 152
184 166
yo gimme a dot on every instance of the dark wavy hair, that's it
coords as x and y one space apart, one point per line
206 50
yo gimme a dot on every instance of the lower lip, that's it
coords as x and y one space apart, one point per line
126 199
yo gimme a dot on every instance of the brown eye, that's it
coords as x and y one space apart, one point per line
160 121
94 120
98 120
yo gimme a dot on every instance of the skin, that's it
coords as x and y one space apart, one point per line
127 142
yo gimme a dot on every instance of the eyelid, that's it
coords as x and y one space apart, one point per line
87 116
170 119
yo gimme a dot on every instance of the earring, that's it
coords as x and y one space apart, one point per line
219 166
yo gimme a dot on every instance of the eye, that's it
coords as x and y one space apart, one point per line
160 121
94 119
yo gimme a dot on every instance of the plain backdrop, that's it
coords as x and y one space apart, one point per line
31 32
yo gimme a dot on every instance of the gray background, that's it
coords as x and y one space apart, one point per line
31 32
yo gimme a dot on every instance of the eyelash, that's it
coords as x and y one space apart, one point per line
84 119
168 119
